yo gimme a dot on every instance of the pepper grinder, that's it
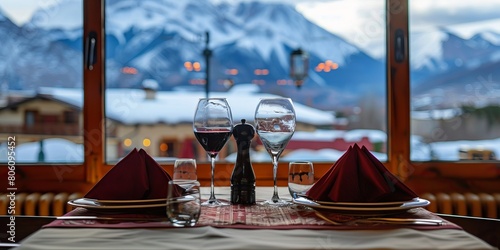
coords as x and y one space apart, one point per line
243 176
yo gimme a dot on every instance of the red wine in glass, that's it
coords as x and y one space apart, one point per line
212 127
213 140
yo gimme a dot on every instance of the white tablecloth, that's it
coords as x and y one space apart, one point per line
229 238
216 238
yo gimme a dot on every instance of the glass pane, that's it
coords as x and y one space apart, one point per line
157 70
41 81
455 82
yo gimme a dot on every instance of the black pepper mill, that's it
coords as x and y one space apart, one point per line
243 177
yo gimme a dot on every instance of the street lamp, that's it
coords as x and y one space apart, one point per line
207 53
299 66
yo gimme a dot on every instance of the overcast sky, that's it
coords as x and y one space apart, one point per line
359 21
428 11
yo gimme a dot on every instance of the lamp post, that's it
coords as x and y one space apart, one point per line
207 53
299 66
41 154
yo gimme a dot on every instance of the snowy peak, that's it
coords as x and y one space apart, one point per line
464 45
156 37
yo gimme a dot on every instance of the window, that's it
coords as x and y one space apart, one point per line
41 58
30 118
156 69
102 135
455 85
168 148
71 117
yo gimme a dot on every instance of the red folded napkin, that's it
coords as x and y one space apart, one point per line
358 176
137 176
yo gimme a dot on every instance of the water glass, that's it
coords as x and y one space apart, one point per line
185 169
183 202
300 177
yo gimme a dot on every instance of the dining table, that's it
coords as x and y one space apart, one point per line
294 226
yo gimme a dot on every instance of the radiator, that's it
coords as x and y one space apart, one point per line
46 204
467 204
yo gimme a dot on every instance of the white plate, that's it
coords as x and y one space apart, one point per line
125 202
366 204
365 210
95 204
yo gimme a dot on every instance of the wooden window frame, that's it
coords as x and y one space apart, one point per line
422 176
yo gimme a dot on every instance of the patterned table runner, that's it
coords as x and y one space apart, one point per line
246 217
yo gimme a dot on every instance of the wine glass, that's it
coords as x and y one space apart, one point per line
212 126
185 169
183 208
300 177
275 125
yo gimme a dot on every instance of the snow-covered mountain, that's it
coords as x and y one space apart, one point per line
34 55
246 36
156 37
457 65
447 51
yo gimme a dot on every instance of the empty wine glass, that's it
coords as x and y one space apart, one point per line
275 125
212 126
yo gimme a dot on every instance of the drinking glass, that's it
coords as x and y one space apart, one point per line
300 177
185 169
213 124
183 202
275 125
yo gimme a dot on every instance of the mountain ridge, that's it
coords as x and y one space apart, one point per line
154 38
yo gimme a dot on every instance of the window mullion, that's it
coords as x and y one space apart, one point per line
93 79
398 80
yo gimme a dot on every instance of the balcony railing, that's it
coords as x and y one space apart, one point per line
43 129
61 129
